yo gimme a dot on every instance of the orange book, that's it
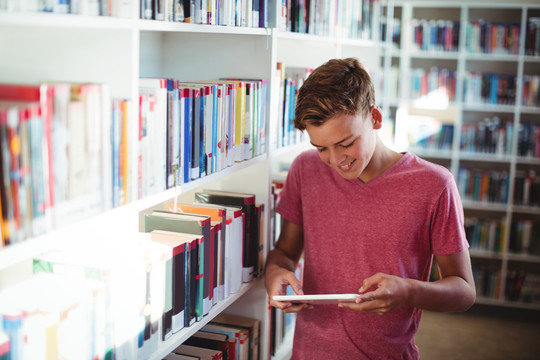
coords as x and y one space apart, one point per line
217 248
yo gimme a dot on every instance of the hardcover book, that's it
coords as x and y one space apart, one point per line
194 224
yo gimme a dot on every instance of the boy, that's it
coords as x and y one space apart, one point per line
368 220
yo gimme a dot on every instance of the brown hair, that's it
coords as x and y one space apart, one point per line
340 86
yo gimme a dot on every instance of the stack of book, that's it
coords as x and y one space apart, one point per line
483 185
227 336
530 95
532 38
127 296
522 231
435 83
491 135
248 13
57 155
290 80
493 38
116 8
529 139
527 188
348 19
489 88
435 35
486 234
188 130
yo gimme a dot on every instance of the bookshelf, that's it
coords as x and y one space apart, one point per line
463 120
118 51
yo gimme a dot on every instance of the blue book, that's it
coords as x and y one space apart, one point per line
493 89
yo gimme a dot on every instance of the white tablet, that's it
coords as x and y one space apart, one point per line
317 299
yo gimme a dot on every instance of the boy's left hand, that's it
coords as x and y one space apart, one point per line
380 294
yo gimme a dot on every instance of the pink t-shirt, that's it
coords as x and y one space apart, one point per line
352 230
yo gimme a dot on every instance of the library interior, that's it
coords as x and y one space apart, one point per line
143 230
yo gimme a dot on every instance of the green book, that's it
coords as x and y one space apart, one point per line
191 224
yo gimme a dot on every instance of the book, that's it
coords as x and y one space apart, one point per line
239 118
157 128
179 278
241 336
213 341
259 211
43 94
174 356
251 236
194 224
230 279
41 313
250 324
202 353
217 215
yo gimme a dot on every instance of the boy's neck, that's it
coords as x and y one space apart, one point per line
383 159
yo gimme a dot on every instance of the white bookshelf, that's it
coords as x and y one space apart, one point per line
408 57
44 47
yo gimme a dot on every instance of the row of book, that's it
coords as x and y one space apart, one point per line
246 13
441 139
486 234
347 18
70 151
435 35
438 83
519 286
532 38
226 337
123 296
198 128
527 188
57 155
492 38
528 140
491 135
523 286
289 80
489 88
483 185
530 95
523 232
487 280
395 35
116 8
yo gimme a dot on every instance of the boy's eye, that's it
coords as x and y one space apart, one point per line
346 146
319 149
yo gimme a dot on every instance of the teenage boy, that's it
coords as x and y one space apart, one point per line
368 220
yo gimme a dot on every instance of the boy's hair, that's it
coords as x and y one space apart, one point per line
340 86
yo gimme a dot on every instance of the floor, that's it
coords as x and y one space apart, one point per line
482 333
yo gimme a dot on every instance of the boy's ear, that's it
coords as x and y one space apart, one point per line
376 115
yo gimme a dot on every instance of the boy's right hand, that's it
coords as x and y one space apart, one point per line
276 281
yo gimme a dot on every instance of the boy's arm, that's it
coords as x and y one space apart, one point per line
281 264
455 291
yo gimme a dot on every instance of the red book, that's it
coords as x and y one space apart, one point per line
44 95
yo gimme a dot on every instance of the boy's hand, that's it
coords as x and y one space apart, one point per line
380 294
276 281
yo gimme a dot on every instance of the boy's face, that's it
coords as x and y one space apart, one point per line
346 143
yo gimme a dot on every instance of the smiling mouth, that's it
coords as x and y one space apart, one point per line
347 166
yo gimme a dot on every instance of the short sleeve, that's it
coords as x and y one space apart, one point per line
447 223
290 200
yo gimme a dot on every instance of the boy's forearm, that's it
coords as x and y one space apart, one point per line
449 294
278 259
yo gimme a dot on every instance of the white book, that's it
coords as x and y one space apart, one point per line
158 87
